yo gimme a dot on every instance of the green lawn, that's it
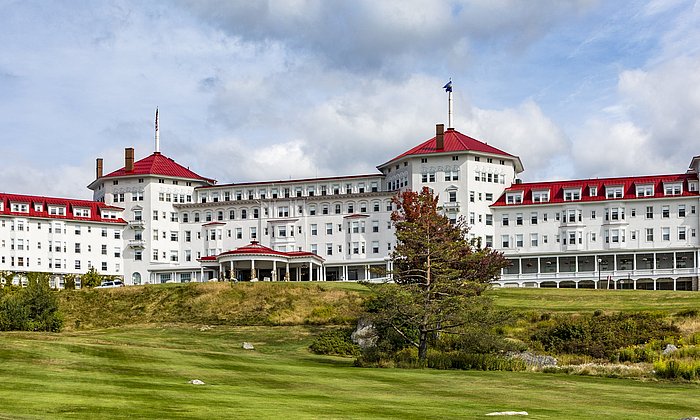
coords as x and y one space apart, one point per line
142 372
589 300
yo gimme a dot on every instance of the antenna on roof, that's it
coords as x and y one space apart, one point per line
448 89
157 133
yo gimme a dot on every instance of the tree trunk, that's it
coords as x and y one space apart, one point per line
423 347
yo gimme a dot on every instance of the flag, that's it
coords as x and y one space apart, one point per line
448 86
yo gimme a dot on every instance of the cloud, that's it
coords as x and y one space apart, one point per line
524 131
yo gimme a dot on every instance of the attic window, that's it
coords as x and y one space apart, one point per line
38 207
57 210
593 191
675 188
514 197
613 192
572 194
19 208
540 196
645 190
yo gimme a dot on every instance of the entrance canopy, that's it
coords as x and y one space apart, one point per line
254 261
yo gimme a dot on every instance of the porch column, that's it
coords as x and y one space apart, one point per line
576 282
253 274
345 273
557 284
311 271
286 272
221 271
654 284
201 274
634 281
274 271
367 272
674 279
232 275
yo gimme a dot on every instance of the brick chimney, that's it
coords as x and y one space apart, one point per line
129 159
98 168
440 136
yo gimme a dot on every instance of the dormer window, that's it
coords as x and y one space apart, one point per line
38 207
540 196
692 186
613 192
645 190
514 197
572 194
19 208
57 210
593 191
81 212
675 188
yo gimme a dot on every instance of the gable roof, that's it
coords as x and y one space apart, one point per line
158 164
628 184
454 141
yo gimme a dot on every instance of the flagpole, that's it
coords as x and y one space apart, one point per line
449 110
157 133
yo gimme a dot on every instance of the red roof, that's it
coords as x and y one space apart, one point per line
254 248
158 164
628 184
94 206
454 141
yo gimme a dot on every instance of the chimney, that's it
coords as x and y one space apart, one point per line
440 136
129 159
98 169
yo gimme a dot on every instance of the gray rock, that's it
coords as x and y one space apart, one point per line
690 418
670 348
364 335
248 346
196 382
536 360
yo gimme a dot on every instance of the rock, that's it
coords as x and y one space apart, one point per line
536 360
205 328
670 348
364 335
248 346
508 413
196 382
690 418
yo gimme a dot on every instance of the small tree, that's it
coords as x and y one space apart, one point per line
69 282
90 279
439 276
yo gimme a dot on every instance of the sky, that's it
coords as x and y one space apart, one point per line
271 90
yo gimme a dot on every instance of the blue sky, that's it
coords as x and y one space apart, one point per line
260 90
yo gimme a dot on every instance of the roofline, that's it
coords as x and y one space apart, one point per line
291 181
105 177
585 180
519 168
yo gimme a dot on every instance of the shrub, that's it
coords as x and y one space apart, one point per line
34 308
677 369
601 336
335 342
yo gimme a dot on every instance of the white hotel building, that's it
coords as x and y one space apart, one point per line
155 221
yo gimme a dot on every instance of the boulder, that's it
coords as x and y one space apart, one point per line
364 335
670 348
196 382
248 346
507 413
535 360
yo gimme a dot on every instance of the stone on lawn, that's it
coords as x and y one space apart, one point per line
248 346
196 382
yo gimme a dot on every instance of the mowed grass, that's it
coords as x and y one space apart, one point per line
589 300
142 372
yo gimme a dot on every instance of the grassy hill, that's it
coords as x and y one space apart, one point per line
213 304
316 303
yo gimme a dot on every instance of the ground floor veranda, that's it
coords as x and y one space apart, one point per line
661 270
262 270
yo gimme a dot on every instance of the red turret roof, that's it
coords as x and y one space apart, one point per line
454 141
158 164
254 248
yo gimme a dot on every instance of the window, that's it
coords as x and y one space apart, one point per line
665 234
505 241
471 196
593 191
314 229
253 232
645 190
540 196
489 220
650 212
514 198
613 192
673 189
572 195
173 236
533 239
533 218
239 233
681 233
681 210
665 212
504 220
650 234
519 219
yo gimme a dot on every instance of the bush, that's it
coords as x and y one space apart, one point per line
34 308
335 342
601 336
678 369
